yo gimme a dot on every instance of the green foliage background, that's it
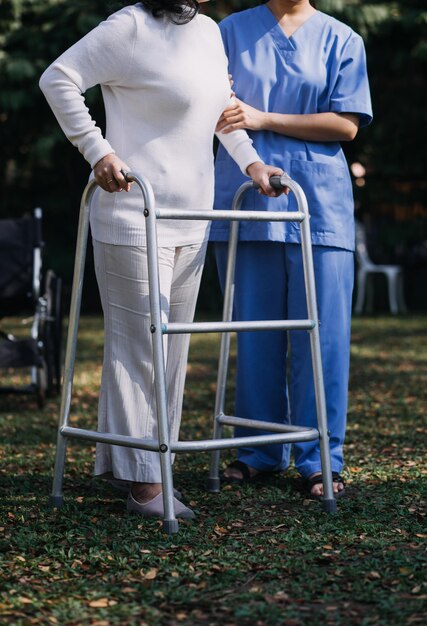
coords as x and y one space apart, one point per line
39 167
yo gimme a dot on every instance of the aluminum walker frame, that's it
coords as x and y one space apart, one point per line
279 433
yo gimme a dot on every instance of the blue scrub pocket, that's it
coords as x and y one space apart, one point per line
329 196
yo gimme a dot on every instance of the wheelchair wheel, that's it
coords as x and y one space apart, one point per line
52 333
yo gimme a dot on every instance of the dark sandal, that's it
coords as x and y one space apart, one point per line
246 476
337 478
309 483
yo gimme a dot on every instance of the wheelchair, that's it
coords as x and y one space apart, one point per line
36 297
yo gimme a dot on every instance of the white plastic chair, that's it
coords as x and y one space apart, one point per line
366 267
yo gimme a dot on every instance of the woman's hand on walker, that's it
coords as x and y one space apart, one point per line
109 174
261 173
240 115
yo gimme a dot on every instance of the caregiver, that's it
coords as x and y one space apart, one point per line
301 88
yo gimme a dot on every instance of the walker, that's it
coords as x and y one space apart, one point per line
278 433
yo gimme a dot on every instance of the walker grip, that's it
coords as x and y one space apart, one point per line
278 182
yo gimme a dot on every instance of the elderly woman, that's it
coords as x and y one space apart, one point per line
163 75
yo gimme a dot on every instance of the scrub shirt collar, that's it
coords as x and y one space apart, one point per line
282 41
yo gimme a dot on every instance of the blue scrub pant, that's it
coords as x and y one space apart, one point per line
270 285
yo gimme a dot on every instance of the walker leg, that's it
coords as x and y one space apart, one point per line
170 523
170 527
213 483
329 506
56 499
329 503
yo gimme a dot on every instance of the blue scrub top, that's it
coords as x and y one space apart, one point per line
321 68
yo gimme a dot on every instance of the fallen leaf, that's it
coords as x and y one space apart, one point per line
101 603
150 575
44 568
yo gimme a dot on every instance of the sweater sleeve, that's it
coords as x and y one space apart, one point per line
239 146
103 56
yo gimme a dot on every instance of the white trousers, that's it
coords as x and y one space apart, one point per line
127 403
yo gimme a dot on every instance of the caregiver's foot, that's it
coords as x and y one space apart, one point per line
316 490
238 472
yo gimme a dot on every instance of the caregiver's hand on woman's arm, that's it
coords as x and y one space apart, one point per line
328 126
240 115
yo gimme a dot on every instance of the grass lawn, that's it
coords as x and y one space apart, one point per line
256 555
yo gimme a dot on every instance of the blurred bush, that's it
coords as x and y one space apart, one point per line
39 167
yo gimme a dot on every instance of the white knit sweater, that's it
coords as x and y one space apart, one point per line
164 88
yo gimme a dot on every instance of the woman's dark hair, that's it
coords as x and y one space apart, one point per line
178 11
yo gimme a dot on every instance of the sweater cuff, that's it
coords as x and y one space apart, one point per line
244 155
239 146
98 151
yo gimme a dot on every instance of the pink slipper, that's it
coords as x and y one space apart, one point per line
154 507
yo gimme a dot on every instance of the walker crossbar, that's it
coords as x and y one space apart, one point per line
232 420
241 216
279 433
214 327
202 445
